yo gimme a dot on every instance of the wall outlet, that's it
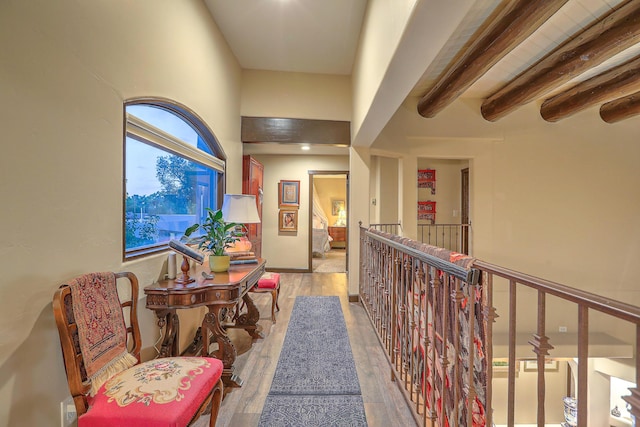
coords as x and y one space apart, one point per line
67 412
562 329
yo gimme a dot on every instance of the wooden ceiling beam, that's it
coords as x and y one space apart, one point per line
512 25
603 39
620 109
614 83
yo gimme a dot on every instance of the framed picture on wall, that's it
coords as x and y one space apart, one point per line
288 220
336 206
427 179
549 365
289 194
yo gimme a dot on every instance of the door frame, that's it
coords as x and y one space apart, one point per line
312 173
464 208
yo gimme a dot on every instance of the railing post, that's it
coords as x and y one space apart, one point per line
397 277
540 343
457 296
583 364
634 398
436 284
471 393
511 385
491 315
444 360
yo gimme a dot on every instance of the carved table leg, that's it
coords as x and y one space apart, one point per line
168 319
249 320
226 351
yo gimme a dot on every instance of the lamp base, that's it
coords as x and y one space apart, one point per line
242 245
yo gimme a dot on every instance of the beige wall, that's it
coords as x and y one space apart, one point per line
286 250
296 95
555 200
384 23
384 190
67 68
359 171
448 188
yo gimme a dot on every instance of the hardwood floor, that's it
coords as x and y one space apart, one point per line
241 407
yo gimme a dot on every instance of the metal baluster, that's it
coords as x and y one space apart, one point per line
583 364
511 381
540 343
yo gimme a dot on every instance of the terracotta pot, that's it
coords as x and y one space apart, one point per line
219 263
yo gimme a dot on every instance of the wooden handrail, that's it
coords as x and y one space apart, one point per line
593 301
470 276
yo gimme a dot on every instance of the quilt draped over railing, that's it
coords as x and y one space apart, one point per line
430 316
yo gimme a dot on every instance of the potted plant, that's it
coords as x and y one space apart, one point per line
217 236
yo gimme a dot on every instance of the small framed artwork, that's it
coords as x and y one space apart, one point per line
427 211
288 220
289 194
501 367
550 365
427 207
424 176
336 207
427 179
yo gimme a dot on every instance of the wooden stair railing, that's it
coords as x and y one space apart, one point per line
585 303
419 306
428 315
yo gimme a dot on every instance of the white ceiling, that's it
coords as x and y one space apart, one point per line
321 36
308 36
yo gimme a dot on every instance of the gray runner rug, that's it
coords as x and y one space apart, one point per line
315 383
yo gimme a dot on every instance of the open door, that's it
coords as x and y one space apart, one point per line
328 221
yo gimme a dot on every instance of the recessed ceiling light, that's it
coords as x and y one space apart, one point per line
305 148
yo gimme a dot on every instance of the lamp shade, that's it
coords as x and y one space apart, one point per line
240 208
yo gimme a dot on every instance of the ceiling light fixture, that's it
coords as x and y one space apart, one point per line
305 148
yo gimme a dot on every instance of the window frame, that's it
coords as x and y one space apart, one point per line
148 134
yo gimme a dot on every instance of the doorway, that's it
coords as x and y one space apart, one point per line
328 222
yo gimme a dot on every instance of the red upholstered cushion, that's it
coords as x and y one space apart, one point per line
269 281
160 392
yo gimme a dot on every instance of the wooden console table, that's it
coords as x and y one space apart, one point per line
220 295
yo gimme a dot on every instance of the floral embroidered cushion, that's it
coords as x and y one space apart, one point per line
160 392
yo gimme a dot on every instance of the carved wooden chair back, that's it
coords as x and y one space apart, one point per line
68 330
74 359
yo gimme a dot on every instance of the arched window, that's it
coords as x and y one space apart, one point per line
174 170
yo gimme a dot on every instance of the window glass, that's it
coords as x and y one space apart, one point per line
166 190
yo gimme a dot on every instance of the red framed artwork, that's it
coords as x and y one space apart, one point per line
427 211
427 179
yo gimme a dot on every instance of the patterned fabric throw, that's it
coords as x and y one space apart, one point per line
101 329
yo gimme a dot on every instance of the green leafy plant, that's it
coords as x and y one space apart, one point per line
217 233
